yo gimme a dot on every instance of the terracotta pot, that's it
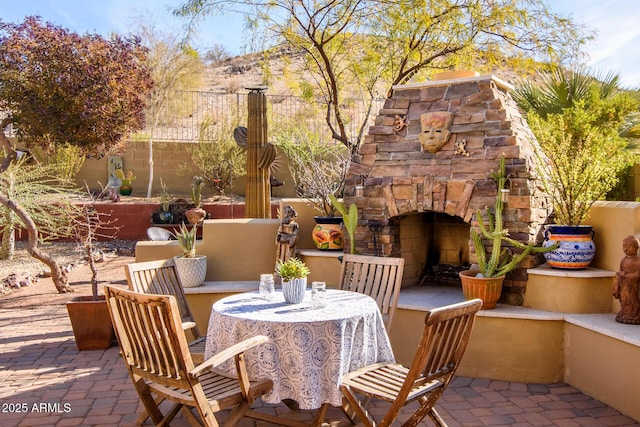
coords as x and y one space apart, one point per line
91 323
488 289
195 215
328 233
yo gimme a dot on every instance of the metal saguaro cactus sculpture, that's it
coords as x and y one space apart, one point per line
258 191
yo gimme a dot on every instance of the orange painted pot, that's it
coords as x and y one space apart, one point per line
328 233
488 289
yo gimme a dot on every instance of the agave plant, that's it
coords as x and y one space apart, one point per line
187 240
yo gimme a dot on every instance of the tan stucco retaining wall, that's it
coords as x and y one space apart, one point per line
499 348
200 306
566 291
612 222
603 367
236 249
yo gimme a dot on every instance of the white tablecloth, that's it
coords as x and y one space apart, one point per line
309 349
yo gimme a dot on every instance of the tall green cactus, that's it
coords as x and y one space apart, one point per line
501 260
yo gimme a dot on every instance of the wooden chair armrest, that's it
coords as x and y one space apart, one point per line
188 325
228 353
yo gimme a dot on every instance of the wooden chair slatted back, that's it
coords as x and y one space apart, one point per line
443 342
378 277
160 278
149 330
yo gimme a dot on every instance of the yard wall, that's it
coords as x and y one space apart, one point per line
167 158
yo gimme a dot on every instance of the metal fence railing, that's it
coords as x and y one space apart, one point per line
191 116
199 116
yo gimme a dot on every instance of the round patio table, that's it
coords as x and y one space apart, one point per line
309 349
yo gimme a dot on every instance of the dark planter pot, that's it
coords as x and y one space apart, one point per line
576 249
161 217
328 234
91 323
126 190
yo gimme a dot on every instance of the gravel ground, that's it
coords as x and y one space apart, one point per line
24 279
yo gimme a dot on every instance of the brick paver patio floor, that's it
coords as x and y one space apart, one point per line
47 382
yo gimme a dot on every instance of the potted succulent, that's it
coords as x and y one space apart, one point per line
349 219
575 117
485 282
125 181
164 216
294 274
575 174
196 214
190 267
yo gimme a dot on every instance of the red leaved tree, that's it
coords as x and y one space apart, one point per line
59 87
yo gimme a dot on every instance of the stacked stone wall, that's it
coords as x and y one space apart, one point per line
401 179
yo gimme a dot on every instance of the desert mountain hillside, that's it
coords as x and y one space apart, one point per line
283 67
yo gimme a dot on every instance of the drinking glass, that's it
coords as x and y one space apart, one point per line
266 286
318 294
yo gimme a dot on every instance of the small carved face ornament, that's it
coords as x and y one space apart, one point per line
435 130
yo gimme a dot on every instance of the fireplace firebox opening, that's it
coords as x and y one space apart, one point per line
435 247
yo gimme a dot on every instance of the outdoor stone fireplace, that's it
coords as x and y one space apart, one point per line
417 198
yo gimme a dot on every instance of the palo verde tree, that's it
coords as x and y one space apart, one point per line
366 46
58 87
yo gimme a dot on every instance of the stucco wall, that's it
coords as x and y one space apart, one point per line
236 249
167 157
603 367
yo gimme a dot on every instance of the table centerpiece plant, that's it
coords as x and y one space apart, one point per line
293 272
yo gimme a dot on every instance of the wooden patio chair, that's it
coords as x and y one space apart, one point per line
160 278
378 277
155 351
444 340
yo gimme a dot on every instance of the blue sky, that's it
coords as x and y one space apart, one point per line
617 22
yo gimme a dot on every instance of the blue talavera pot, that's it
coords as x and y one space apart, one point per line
576 248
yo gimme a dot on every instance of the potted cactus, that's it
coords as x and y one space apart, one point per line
163 215
125 181
485 282
196 214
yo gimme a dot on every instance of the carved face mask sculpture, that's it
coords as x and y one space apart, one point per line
435 130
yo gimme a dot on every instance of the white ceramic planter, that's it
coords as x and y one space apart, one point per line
191 271
293 290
